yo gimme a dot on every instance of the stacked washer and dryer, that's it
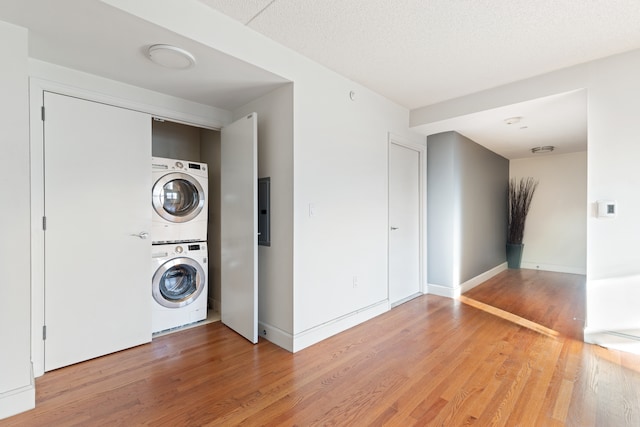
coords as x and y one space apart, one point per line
179 242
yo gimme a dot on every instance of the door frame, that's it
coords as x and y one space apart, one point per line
37 87
421 149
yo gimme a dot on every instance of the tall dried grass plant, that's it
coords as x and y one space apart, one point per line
520 196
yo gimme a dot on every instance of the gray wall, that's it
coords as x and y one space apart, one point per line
176 141
467 209
442 202
483 206
210 154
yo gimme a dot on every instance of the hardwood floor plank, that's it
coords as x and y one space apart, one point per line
561 408
430 361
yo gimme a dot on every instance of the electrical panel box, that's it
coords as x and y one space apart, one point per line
264 211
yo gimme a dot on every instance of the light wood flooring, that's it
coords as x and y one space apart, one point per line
507 356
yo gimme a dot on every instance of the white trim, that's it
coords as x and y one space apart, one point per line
421 148
22 399
556 268
444 291
483 277
157 112
627 340
315 335
455 292
36 142
276 335
403 300
92 87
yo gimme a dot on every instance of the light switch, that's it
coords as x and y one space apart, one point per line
312 210
607 209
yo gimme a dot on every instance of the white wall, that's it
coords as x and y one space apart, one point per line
114 92
340 167
613 102
17 393
555 234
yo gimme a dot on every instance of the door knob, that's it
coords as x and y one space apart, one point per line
143 235
394 228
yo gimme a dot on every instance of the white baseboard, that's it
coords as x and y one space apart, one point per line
315 335
403 300
276 335
455 292
19 400
555 268
483 277
443 291
627 340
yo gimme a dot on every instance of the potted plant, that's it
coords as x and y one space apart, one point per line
520 195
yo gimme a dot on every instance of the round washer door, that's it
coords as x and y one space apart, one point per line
178 282
177 197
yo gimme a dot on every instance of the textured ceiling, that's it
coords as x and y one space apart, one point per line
420 52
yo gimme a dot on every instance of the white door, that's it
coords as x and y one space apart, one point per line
97 207
404 223
239 226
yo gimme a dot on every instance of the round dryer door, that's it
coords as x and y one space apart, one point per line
178 282
178 197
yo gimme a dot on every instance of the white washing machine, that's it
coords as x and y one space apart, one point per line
179 200
179 284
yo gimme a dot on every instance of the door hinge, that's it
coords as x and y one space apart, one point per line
44 332
44 223
42 113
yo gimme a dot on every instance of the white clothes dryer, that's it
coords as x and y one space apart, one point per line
179 284
179 199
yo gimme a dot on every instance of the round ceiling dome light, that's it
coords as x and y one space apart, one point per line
171 56
512 120
544 149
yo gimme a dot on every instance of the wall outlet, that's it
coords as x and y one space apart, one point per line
355 281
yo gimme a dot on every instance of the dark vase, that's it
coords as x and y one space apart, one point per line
514 254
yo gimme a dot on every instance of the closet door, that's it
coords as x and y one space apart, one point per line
98 213
239 226
404 222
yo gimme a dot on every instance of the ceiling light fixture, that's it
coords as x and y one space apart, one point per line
512 120
544 149
171 56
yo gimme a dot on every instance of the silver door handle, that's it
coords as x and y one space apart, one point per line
394 228
143 235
